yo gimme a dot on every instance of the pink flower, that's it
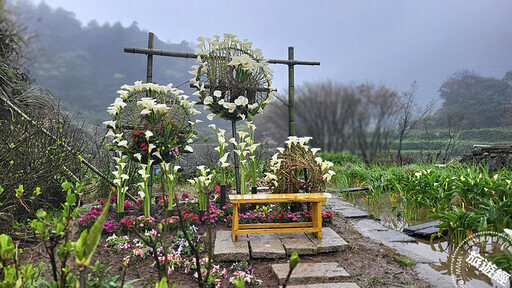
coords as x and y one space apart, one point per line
217 189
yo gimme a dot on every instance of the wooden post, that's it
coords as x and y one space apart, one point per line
291 93
149 79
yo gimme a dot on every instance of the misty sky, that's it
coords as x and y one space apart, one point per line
380 41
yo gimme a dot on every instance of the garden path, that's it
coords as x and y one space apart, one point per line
401 242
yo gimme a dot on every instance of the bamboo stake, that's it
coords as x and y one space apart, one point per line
291 94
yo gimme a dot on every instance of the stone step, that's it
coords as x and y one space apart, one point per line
330 242
297 242
275 246
326 285
346 209
310 273
267 246
378 232
227 250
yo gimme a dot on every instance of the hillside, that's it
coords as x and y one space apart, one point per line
84 65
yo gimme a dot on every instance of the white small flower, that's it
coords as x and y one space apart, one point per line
210 116
189 149
125 177
213 126
148 134
123 143
327 195
110 123
176 168
217 93
280 149
314 150
110 133
208 100
141 194
138 156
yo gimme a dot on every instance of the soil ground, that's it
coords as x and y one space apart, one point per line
370 264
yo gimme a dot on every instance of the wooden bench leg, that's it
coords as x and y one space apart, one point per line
234 222
317 218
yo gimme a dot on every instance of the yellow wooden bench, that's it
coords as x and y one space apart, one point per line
314 226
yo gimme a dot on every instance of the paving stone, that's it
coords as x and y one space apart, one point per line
310 272
266 246
426 233
368 225
227 250
376 231
326 285
347 210
298 242
410 230
330 242
428 274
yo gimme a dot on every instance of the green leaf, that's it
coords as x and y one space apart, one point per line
66 186
38 191
294 260
41 213
88 242
6 247
239 282
71 198
19 191
1 190
162 283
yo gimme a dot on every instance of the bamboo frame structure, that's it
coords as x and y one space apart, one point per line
291 62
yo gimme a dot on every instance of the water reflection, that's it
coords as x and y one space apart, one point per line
437 250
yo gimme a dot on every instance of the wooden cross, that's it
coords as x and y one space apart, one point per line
291 62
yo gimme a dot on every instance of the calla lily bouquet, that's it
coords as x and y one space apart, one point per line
151 124
232 78
203 185
297 168
147 114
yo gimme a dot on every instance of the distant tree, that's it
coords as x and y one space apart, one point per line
481 101
359 119
409 115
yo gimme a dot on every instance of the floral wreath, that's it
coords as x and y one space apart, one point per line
148 118
298 168
233 80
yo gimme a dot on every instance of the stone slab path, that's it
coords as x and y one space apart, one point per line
326 285
401 242
274 246
310 273
345 209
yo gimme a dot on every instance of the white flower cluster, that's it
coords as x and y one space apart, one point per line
250 61
161 97
202 181
221 139
294 142
244 146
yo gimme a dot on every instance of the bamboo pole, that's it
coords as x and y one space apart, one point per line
167 53
291 94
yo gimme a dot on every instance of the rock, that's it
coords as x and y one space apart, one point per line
310 272
330 242
297 242
266 246
227 250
